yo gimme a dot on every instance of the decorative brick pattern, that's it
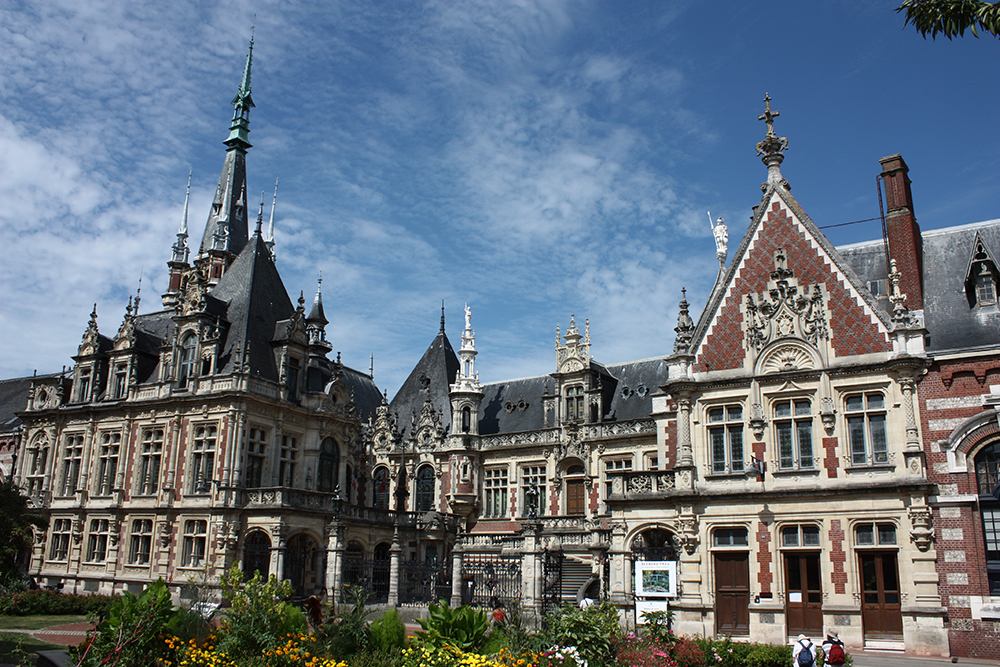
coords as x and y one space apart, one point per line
837 557
764 558
852 329
831 463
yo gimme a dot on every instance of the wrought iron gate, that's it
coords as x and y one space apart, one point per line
491 580
551 581
424 581
371 575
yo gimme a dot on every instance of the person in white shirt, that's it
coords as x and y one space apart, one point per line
803 644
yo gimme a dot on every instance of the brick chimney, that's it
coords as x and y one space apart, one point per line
905 243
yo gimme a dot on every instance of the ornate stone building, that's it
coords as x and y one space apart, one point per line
782 453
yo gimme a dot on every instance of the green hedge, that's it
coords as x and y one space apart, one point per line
30 603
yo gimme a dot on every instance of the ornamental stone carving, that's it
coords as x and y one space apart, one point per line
785 310
921 531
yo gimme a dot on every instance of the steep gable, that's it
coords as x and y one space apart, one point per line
853 324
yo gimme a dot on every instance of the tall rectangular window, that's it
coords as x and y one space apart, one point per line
495 483
195 539
141 544
256 456
107 462
533 490
289 457
793 430
36 470
292 378
150 453
97 547
83 392
866 429
72 461
59 545
725 433
121 381
203 458
574 404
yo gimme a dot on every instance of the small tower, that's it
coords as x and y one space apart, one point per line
178 263
466 394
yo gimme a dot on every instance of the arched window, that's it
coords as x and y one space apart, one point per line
466 419
185 368
329 466
988 479
425 489
381 479
257 553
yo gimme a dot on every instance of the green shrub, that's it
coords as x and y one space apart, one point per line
388 632
657 625
130 634
374 658
348 633
259 617
768 655
594 631
464 628
53 603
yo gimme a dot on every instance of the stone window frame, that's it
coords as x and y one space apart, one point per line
869 453
877 526
802 528
109 451
194 541
495 492
715 531
140 541
288 459
795 420
203 457
728 426
73 464
98 539
150 456
576 408
614 460
257 445
35 467
187 359
377 496
62 529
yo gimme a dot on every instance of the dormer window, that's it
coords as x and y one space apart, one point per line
84 393
574 404
292 379
188 351
981 281
121 380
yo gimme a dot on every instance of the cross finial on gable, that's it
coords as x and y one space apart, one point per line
769 115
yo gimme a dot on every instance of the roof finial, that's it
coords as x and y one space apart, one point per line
138 291
442 315
684 328
371 367
772 147
260 214
187 200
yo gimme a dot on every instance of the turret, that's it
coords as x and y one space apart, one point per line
466 393
178 263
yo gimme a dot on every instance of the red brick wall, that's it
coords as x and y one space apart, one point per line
838 577
764 558
957 379
831 462
852 330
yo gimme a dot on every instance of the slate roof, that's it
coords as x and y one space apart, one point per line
433 376
367 396
13 399
232 186
948 316
256 300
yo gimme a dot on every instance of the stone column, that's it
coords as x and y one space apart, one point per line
456 574
278 552
394 552
908 387
619 566
532 573
334 559
685 456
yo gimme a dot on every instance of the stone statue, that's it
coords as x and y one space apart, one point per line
468 317
721 233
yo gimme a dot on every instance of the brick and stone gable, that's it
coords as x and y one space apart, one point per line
854 328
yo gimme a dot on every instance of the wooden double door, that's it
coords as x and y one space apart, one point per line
732 593
804 594
881 615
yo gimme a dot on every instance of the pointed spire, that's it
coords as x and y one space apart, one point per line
260 214
269 239
180 248
442 315
772 148
316 313
243 102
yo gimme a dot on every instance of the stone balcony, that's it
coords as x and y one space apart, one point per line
632 484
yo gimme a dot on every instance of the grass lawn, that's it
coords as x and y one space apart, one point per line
9 644
37 622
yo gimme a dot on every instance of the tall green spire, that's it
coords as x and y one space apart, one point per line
243 102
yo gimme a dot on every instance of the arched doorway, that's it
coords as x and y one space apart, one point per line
654 544
257 554
300 565
381 479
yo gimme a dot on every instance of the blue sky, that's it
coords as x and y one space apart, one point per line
533 159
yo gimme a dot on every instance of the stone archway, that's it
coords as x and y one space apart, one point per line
257 554
300 564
